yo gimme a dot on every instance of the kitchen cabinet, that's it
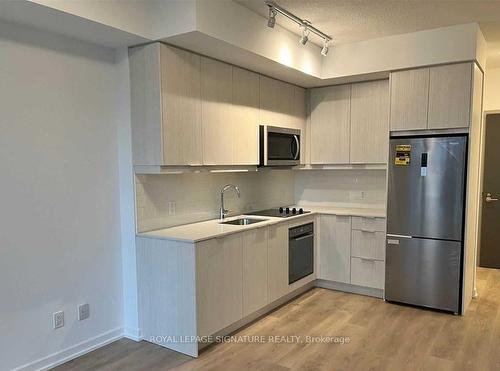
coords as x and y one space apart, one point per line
367 272
409 99
218 283
245 125
165 106
330 125
368 244
255 274
369 138
436 97
450 96
276 102
278 261
299 112
217 112
335 248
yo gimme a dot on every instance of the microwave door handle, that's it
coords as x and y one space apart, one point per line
296 155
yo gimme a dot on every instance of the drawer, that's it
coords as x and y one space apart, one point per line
368 224
368 245
367 272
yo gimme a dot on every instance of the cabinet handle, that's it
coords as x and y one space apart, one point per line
368 231
368 260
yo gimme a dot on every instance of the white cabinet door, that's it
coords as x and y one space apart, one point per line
218 283
409 99
335 248
278 261
245 125
181 107
369 122
255 282
165 106
330 124
276 102
450 96
300 119
217 112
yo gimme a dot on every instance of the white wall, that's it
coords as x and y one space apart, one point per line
440 45
492 89
355 188
60 214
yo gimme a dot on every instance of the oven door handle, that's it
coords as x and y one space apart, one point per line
302 237
296 155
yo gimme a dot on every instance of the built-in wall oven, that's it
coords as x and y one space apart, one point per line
300 252
279 146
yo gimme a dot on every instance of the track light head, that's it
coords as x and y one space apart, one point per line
325 49
272 17
305 34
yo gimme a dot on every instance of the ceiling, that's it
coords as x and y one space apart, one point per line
355 20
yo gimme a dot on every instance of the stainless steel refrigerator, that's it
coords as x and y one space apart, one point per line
425 221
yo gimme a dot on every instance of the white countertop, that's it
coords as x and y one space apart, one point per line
200 231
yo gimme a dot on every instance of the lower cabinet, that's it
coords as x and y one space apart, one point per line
352 250
278 261
218 283
367 272
255 274
335 248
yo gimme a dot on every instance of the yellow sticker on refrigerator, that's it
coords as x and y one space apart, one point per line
402 157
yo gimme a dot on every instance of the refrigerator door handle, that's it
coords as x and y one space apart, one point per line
398 235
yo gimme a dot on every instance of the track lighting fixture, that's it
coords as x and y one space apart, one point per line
272 17
306 26
324 50
305 35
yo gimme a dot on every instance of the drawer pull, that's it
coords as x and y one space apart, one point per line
368 260
367 231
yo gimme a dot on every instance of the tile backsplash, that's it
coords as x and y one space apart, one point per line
355 188
169 200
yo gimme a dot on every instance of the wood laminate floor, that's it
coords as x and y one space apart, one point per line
382 336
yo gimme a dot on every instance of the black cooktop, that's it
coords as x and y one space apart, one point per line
281 212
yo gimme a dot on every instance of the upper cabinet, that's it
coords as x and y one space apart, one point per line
431 98
189 110
165 106
350 123
276 102
409 95
217 112
330 121
450 96
246 117
369 139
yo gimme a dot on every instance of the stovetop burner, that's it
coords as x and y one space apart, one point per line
281 212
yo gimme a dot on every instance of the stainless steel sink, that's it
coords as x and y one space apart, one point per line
243 221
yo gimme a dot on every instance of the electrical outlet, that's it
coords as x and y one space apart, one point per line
171 207
83 312
58 319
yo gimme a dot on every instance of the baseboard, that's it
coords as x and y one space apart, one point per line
73 352
346 287
133 333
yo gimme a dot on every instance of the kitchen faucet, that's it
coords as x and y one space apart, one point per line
224 211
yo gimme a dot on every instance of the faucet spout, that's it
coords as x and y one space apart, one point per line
223 210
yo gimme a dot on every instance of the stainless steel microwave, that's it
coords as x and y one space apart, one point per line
279 146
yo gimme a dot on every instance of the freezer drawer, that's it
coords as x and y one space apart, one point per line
423 272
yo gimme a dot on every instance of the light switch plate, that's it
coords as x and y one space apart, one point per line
58 319
83 312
